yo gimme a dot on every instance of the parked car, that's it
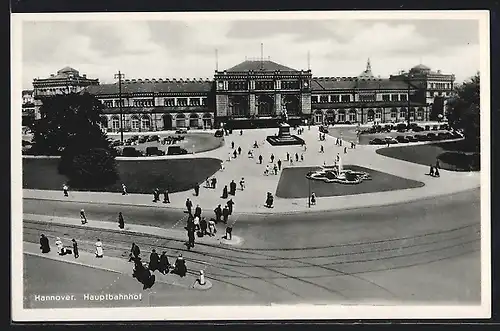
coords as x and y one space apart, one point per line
377 141
444 135
421 137
402 139
417 129
181 131
154 137
432 136
219 133
176 150
131 152
143 139
134 138
390 140
153 150
412 139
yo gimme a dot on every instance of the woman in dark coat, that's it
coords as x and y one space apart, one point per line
44 244
224 192
180 266
121 222
164 264
75 248
134 252
154 260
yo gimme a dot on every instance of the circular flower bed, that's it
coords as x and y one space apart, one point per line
330 175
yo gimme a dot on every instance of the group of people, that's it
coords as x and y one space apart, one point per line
232 188
156 195
63 250
434 170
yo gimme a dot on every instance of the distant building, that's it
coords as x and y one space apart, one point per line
28 107
67 80
256 93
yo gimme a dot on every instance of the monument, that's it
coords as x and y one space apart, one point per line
337 174
284 136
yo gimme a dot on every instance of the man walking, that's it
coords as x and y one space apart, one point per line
296 157
232 188
232 144
214 182
134 252
225 214
230 205
197 211
190 231
260 159
196 189
242 183
239 150
321 149
124 189
189 205
75 248
212 230
65 190
121 222
83 217
154 260
44 244
279 164
166 198
203 226
218 213
272 158
287 156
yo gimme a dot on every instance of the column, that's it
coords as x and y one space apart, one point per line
251 104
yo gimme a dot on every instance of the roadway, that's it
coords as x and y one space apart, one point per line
423 251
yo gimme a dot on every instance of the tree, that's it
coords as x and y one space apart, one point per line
70 127
464 111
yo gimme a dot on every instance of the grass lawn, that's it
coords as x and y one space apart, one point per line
294 184
139 176
428 153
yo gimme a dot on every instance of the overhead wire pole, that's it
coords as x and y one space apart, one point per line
119 75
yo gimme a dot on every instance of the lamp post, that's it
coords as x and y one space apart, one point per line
309 189
119 75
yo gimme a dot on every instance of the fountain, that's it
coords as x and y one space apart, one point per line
337 174
284 137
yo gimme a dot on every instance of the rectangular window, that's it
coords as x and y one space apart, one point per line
194 102
290 85
323 98
237 85
346 98
395 97
386 97
314 99
108 103
204 101
402 97
367 97
182 102
335 98
264 85
169 102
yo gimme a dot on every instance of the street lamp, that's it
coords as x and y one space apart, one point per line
119 76
309 188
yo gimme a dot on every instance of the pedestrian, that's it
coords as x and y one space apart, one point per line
255 144
437 164
166 198
44 244
345 150
266 171
124 189
197 211
207 183
232 188
232 144
75 249
225 214
279 164
235 154
60 246
224 192
321 149
135 251
222 167
301 157
218 213
337 158
121 222
291 161
65 190
269 200
83 217
239 150
203 226
214 182
313 198
260 159
275 168
98 249
272 158
229 156
163 265
230 205
241 132
197 190
436 172
296 157
154 260
287 156
431 170
196 222
154 196
212 230
180 266
190 231
229 233
242 183
189 205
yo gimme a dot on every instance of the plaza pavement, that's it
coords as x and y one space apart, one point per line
252 199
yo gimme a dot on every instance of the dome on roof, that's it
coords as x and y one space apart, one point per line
420 67
67 70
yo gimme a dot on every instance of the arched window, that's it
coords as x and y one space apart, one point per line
352 116
378 114
318 117
135 122
193 120
420 113
145 123
402 113
412 113
394 113
115 123
180 121
341 115
207 120
371 115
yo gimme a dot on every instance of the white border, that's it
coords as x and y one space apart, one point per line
274 312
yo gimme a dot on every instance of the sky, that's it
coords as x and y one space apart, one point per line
186 48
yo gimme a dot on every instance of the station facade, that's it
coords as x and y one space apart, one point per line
256 93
